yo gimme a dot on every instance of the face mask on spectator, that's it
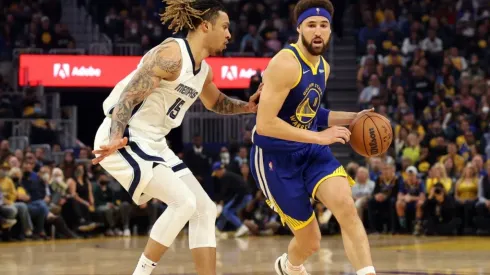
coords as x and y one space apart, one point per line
485 109
134 30
78 173
58 179
45 177
37 110
15 179
225 157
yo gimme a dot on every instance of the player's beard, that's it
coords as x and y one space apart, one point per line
314 51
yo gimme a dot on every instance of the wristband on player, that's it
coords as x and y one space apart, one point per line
322 117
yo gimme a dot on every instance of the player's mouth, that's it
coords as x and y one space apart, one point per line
317 42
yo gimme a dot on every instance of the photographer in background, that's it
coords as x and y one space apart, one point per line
440 212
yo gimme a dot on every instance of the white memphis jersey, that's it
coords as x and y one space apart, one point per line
165 107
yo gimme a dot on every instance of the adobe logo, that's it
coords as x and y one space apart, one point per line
61 70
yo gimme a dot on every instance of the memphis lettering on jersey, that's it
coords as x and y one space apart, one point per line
186 90
307 108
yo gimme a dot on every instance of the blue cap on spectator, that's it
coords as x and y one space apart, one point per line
217 166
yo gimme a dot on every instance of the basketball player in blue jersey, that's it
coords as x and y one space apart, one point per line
291 160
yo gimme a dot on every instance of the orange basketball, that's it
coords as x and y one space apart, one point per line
371 135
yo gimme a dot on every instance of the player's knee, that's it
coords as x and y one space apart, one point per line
313 244
208 209
345 209
188 206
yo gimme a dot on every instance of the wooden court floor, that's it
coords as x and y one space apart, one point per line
397 255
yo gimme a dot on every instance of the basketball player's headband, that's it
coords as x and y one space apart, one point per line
313 12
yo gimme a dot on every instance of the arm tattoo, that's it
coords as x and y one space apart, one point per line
228 106
140 86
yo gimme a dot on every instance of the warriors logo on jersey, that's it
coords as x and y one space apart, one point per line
307 108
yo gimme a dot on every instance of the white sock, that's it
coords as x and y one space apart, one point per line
145 266
366 270
295 270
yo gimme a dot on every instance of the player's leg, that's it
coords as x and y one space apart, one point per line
181 205
283 186
335 193
202 237
328 182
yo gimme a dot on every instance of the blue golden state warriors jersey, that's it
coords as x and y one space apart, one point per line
302 103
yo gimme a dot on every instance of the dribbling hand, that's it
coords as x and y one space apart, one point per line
334 134
106 150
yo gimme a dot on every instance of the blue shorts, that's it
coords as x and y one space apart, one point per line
289 179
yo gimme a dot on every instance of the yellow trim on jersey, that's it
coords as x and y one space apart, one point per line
314 69
325 69
339 172
300 68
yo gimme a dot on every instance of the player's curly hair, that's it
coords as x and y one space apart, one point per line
188 14
303 5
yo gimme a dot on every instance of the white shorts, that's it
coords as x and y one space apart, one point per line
132 166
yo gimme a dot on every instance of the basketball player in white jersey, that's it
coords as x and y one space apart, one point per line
142 109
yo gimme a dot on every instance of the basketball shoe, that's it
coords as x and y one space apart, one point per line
280 266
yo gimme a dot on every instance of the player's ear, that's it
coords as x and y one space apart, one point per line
206 26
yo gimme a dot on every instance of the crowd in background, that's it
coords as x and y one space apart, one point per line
423 64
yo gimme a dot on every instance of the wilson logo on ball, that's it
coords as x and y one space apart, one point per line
372 143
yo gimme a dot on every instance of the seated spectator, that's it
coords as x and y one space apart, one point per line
81 200
411 197
466 194
440 212
412 148
8 212
59 191
410 45
105 203
482 219
259 217
23 215
35 191
362 190
382 205
371 91
437 174
433 47
457 160
233 198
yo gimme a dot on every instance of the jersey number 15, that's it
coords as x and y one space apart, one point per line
174 110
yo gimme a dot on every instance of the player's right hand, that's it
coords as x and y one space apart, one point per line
106 150
334 134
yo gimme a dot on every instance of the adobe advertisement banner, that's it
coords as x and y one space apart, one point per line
80 71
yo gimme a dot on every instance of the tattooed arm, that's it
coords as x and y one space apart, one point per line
216 101
164 63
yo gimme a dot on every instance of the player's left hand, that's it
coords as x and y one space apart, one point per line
361 113
253 105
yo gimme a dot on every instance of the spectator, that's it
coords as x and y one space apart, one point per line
23 215
384 196
411 197
371 91
362 190
105 204
482 219
412 148
466 194
233 198
197 159
36 198
259 217
7 196
457 160
438 175
440 212
81 199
